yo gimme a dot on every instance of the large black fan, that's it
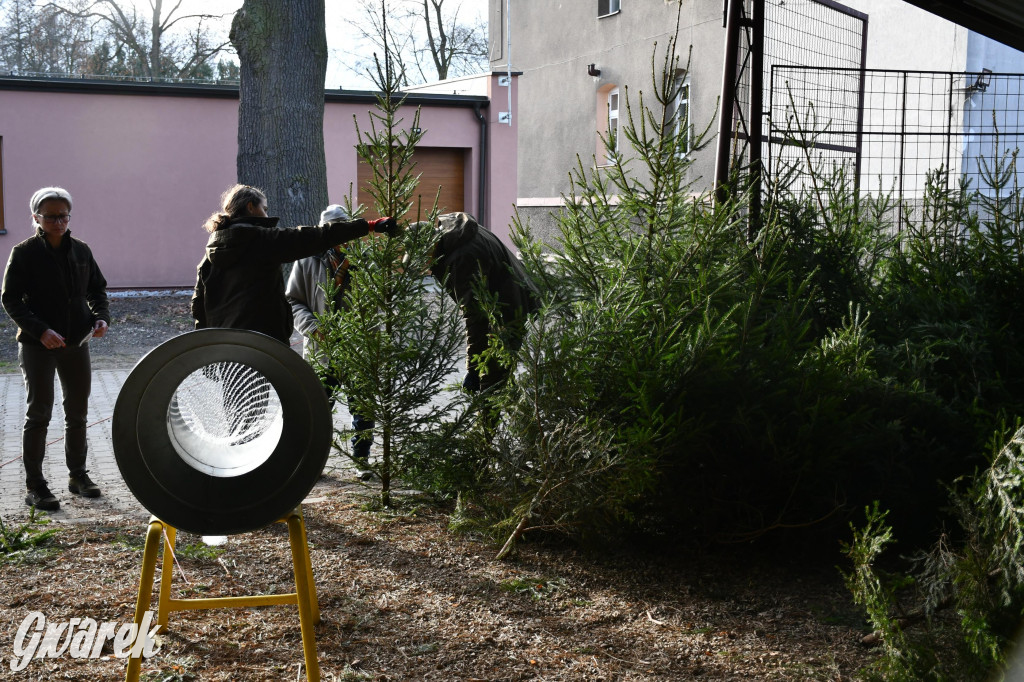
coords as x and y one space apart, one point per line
221 431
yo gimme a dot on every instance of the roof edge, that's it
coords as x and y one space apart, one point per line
212 91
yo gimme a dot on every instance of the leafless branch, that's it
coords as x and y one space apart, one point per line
127 27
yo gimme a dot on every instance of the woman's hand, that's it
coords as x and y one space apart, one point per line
387 225
99 329
51 339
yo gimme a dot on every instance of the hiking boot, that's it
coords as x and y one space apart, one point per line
363 471
40 497
81 484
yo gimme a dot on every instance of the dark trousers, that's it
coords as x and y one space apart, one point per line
492 374
363 439
38 366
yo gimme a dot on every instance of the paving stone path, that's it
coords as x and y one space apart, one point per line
116 502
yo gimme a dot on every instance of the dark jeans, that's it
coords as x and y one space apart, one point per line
38 366
363 439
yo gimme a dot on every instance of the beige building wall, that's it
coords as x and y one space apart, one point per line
561 107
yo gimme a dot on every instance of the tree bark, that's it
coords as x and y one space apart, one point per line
282 54
156 66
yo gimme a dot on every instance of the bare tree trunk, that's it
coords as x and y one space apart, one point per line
385 467
156 67
282 54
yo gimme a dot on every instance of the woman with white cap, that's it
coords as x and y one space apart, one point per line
307 296
54 291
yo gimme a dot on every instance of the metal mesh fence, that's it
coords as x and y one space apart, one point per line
813 120
910 123
812 33
795 32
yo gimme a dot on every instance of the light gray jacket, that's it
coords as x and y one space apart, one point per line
305 293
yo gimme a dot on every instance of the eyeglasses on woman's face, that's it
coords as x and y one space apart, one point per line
54 217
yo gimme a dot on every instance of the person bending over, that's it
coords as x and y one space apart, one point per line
467 255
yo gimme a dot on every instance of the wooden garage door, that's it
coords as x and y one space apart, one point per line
439 167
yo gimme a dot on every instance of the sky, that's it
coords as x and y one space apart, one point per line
342 44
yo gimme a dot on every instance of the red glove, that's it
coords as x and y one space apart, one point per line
388 226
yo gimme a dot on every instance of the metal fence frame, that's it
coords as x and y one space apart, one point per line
760 36
895 128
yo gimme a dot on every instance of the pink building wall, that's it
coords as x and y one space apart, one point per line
147 169
502 190
144 173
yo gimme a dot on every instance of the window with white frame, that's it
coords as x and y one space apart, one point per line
681 115
612 150
606 7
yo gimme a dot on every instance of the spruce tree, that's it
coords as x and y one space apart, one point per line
396 341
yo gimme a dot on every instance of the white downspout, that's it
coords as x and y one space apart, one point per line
508 57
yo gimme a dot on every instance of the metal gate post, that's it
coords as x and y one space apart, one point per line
756 115
862 76
728 99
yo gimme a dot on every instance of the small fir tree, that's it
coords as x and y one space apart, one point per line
396 341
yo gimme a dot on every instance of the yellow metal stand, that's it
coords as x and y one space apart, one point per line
304 596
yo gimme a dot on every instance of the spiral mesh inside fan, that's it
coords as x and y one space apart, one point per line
225 419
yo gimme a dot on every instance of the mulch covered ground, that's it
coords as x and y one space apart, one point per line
403 598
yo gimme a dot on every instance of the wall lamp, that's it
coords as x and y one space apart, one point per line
982 82
592 70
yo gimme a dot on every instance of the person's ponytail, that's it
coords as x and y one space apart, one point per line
234 204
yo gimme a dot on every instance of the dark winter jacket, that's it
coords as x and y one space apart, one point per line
467 253
54 288
240 284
